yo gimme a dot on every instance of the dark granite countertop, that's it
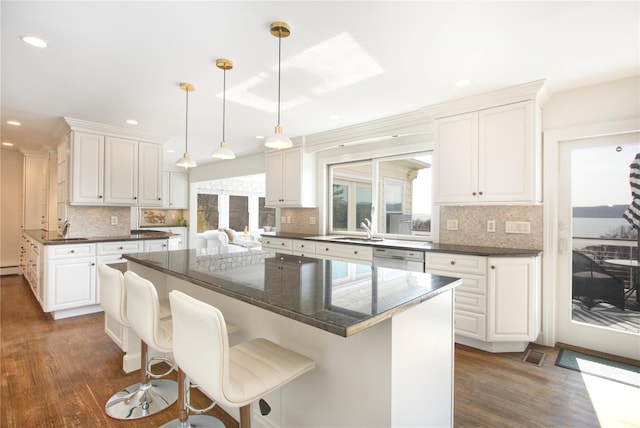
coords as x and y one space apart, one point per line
54 238
335 296
471 250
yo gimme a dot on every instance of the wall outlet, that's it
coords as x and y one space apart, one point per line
522 227
288 219
283 220
452 224
312 220
491 225
114 220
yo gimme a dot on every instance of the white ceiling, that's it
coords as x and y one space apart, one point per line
111 61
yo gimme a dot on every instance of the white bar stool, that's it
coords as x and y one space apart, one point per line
236 376
142 308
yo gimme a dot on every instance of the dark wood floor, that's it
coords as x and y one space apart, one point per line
60 374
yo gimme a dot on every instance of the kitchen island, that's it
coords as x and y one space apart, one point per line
382 338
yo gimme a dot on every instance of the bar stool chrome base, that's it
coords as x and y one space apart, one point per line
195 421
140 400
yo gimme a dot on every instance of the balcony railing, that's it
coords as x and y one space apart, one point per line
600 249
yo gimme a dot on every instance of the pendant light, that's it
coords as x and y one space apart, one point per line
279 140
184 161
223 152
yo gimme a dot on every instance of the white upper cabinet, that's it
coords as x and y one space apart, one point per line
87 168
489 156
150 185
290 178
121 171
107 168
176 190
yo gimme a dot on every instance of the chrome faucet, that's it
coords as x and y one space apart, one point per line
366 224
65 229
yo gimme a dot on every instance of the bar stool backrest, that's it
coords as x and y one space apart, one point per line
200 345
112 293
143 308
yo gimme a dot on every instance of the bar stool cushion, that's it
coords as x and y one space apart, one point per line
234 376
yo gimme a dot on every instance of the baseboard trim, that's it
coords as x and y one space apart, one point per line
10 270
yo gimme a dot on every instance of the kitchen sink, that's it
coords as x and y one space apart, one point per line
67 239
358 239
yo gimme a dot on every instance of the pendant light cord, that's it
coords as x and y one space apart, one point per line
186 123
279 67
224 99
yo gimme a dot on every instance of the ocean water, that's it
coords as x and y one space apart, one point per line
584 227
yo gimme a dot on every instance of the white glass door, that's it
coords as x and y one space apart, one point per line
596 307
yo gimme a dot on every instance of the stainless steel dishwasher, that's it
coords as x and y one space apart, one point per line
395 258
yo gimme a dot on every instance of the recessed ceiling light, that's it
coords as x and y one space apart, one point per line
132 122
260 137
6 143
34 41
170 151
14 122
462 82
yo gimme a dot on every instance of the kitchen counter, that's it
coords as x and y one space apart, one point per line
471 250
54 238
382 339
309 294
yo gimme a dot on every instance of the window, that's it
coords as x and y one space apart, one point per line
266 216
208 215
395 190
238 212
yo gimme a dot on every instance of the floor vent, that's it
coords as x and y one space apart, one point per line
534 357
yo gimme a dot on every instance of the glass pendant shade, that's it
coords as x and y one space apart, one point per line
279 140
184 161
224 152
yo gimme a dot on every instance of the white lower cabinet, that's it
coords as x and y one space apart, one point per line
155 245
281 245
497 307
346 252
70 280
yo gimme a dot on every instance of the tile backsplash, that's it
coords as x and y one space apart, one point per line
300 221
87 222
472 226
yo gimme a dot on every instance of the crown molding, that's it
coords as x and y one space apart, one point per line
69 124
415 122
534 90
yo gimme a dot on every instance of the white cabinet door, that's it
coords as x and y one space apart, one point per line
87 165
273 179
71 283
507 154
513 305
178 190
174 243
281 245
292 177
155 245
456 159
150 183
34 191
121 171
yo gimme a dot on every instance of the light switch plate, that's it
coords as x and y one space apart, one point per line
491 225
521 227
452 224
114 220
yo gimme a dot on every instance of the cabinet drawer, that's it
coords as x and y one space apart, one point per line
470 324
277 243
120 247
470 302
304 248
71 250
340 251
456 263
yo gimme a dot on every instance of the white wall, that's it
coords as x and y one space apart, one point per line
606 102
10 207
